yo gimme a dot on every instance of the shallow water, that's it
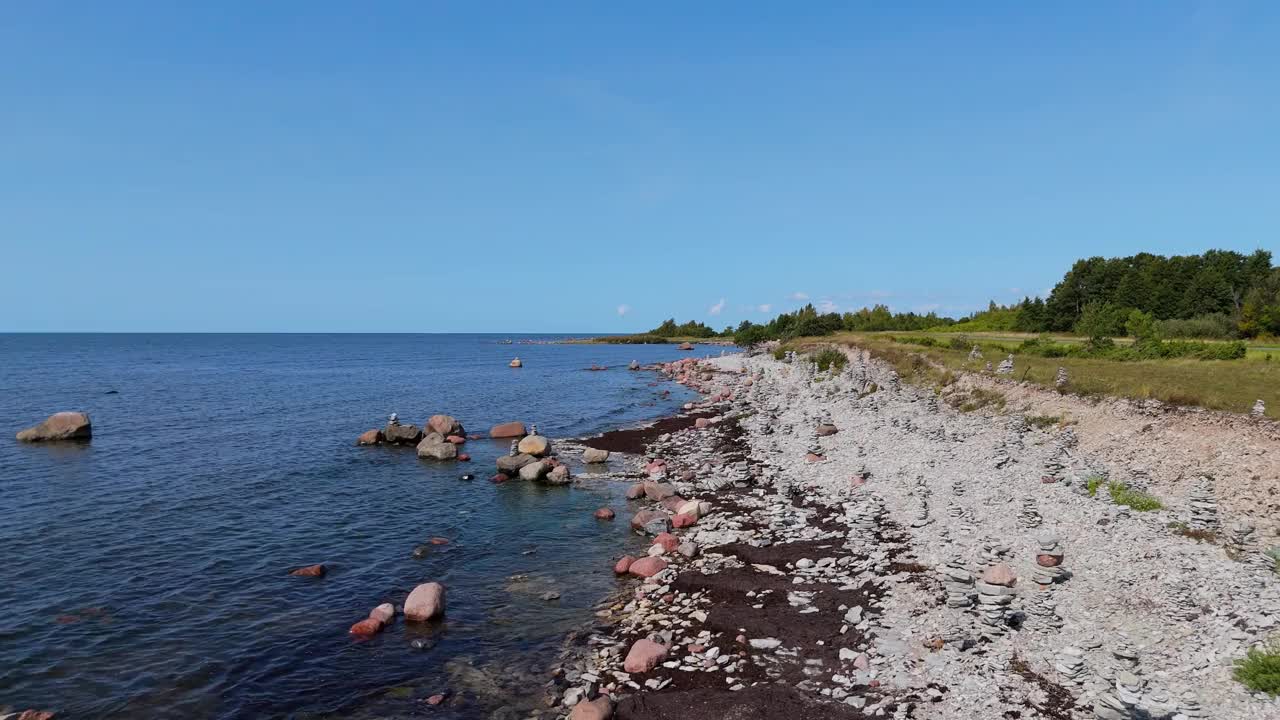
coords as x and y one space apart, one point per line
144 574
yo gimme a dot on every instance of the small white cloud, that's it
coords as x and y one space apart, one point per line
826 306
1015 291
766 307
623 310
879 293
799 296
717 308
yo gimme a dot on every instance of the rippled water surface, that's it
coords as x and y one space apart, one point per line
144 574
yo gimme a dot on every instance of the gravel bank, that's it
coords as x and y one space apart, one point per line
916 561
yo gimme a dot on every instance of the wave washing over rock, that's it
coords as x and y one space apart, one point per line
915 562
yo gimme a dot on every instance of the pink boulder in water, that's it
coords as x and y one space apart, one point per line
310 571
507 430
426 602
445 425
647 567
635 492
383 613
370 437
366 627
59 426
644 656
623 565
604 514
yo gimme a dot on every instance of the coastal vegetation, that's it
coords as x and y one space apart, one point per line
1260 669
670 332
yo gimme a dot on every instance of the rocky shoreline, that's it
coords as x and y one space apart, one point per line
865 550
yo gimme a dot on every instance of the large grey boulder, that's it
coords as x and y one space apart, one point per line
511 464
401 434
59 427
535 470
436 448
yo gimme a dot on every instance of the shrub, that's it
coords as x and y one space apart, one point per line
1043 421
1213 326
1259 670
1122 494
1093 482
830 357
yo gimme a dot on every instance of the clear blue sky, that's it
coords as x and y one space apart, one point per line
574 167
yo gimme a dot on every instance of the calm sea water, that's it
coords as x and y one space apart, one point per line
144 575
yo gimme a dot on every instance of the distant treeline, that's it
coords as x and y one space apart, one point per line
1219 294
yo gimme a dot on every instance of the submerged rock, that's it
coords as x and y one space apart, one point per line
310 571
604 514
370 437
59 427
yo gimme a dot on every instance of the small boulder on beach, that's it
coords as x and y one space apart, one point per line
426 602
644 656
647 567
512 429
635 492
658 491
593 456
535 445
826 430
59 427
623 565
599 709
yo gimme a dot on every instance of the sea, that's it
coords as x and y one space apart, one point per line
145 574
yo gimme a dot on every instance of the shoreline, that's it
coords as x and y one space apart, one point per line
828 589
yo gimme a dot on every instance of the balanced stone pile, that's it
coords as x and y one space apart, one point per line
1054 469
1001 457
995 594
1006 366
869 514
975 354
1203 506
1128 689
1042 608
1107 707
1140 479
1060 381
1182 605
1189 706
1029 517
1070 662
1125 654
1259 409
1049 568
957 582
993 552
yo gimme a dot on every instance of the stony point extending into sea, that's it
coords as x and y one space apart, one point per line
843 545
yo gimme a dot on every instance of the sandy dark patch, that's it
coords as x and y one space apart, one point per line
636 440
762 702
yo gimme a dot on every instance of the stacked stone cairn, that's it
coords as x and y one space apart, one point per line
1006 366
868 515
1070 662
1259 409
1001 457
515 448
931 404
1189 706
995 594
1060 381
1140 479
1242 545
1029 517
993 552
1182 604
1125 654
975 354
921 492
1203 506
988 368
1049 557
957 582
1044 610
